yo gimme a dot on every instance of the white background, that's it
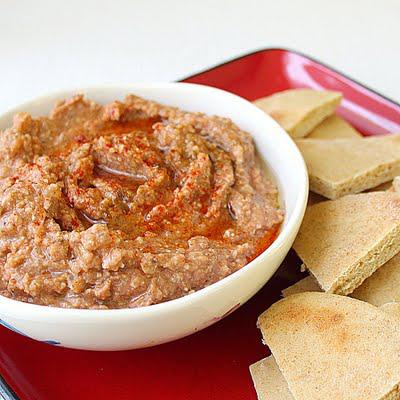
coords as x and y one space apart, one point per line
47 45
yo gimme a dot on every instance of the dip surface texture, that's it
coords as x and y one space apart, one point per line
129 204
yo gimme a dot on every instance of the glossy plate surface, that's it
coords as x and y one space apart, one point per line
212 364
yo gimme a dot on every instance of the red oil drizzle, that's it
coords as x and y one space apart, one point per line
265 241
217 229
121 127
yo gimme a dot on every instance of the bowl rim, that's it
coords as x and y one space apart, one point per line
31 311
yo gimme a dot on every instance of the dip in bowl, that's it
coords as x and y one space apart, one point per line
155 224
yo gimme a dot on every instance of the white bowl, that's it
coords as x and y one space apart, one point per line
147 326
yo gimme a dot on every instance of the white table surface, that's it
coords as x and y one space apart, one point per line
46 45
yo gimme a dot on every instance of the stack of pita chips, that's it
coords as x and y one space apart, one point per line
299 111
336 335
339 160
381 288
327 346
342 166
342 242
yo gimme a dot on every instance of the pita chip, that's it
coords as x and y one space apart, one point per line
334 127
326 347
392 308
299 111
383 286
343 242
269 381
342 166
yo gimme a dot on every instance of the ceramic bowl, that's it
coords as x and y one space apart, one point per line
147 326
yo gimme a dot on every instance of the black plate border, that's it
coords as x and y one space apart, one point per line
299 53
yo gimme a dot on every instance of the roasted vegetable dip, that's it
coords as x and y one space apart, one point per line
129 204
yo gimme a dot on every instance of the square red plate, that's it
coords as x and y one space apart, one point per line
211 364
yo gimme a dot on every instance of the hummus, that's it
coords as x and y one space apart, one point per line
129 204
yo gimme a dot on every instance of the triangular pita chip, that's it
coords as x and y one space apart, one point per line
392 308
343 242
299 111
268 379
382 287
334 127
393 186
334 347
342 166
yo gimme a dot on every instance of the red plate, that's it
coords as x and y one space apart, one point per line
211 364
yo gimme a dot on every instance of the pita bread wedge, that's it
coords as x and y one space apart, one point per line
299 111
341 166
334 127
314 198
392 308
343 242
383 286
268 379
334 347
